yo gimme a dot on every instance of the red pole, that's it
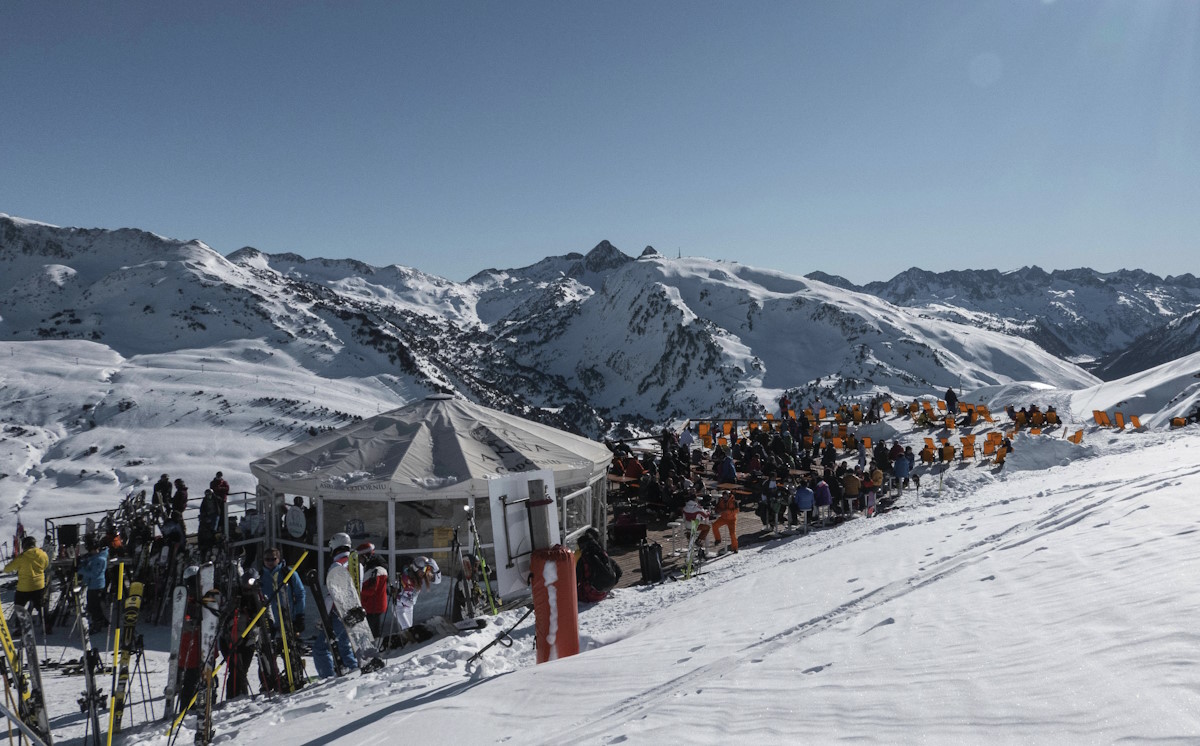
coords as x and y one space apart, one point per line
555 603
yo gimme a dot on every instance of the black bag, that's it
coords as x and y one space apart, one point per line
650 558
597 569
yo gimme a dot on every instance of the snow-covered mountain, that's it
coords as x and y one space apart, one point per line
1079 314
650 337
237 355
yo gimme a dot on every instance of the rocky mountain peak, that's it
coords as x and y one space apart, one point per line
605 257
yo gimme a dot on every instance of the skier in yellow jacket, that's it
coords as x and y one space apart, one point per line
30 566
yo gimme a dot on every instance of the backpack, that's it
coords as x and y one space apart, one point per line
599 570
650 559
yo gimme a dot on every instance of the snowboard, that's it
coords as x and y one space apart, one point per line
349 610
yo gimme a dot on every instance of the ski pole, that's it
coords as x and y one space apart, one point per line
500 637
274 591
287 654
245 632
112 701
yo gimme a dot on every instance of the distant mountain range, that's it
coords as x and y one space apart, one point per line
249 352
583 340
580 340
1104 321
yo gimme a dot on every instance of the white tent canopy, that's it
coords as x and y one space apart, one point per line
437 447
400 480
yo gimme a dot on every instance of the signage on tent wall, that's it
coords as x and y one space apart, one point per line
513 497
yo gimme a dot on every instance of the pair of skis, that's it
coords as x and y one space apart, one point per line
21 664
123 643
92 702
212 616
293 660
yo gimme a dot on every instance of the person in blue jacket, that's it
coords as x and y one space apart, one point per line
275 569
727 471
93 571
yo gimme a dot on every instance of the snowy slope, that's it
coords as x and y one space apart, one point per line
1035 604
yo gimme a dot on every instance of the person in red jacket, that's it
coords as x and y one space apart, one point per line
374 593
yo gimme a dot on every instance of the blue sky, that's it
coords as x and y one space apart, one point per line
857 138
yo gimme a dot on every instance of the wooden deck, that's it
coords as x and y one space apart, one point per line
750 531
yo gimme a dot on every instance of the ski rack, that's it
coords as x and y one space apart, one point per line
25 729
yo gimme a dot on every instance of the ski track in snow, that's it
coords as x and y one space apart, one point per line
1055 518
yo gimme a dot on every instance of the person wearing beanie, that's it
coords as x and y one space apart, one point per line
374 590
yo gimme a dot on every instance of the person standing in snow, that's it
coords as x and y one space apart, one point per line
822 499
686 439
209 526
727 515
161 497
93 571
179 501
220 487
275 569
373 592
901 468
696 516
30 566
951 402
321 653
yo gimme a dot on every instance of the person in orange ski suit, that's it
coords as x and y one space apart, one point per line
727 512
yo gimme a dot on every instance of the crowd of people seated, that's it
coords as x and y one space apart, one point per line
785 481
1032 415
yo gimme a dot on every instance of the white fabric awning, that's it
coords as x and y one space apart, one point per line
439 447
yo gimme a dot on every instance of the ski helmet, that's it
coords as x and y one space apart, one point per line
339 541
366 548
